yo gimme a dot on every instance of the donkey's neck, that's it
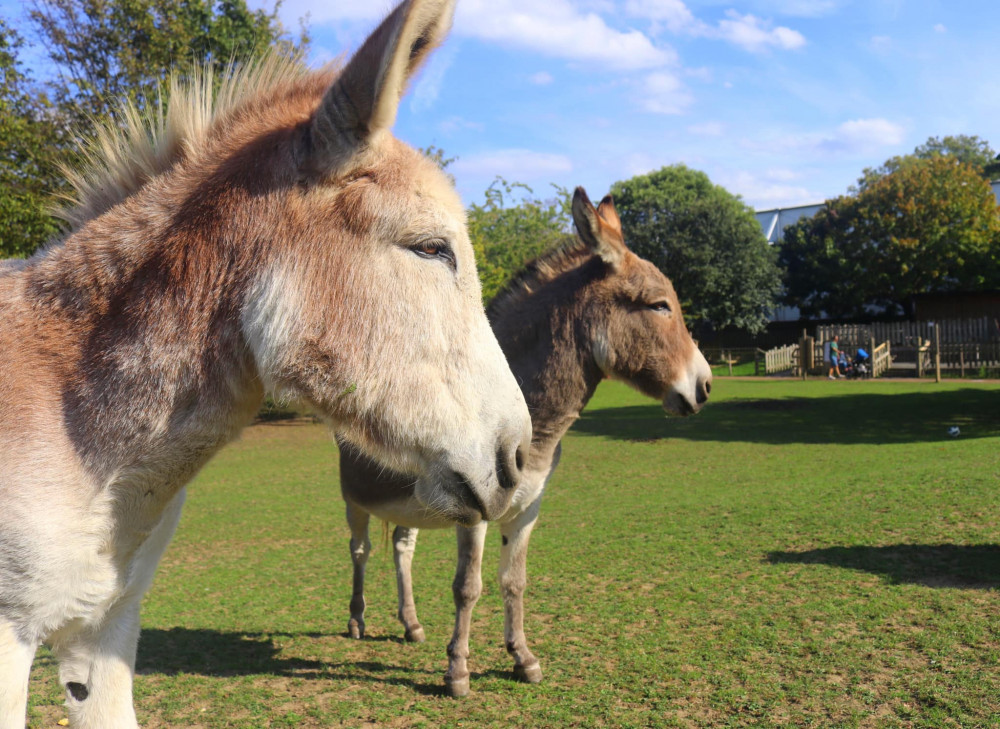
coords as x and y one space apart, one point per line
549 348
155 373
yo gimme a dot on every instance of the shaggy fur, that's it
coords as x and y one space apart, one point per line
276 237
579 313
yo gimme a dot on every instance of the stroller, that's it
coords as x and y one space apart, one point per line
861 365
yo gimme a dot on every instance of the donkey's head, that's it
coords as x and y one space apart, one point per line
373 311
636 326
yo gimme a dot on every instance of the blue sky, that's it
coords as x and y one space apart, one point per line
781 101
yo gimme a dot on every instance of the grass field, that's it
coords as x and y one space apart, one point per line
800 554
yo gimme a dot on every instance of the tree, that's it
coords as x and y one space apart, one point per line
506 236
28 161
707 241
971 150
107 50
931 225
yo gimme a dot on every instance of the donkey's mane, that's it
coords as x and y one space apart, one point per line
123 155
549 265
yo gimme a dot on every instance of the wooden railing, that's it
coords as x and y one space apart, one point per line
899 333
781 359
881 359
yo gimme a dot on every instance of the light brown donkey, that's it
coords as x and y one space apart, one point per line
278 238
580 313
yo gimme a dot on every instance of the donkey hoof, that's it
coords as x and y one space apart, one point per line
356 630
528 674
416 635
456 687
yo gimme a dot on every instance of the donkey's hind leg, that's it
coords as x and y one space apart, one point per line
467 588
361 547
15 667
513 580
404 542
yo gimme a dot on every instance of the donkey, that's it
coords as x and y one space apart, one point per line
278 238
579 313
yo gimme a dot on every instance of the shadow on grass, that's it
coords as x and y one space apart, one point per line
216 653
870 418
974 566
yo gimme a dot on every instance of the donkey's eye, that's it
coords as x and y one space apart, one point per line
661 307
434 248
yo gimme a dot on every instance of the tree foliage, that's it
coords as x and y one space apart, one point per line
707 241
506 233
104 51
28 159
107 50
929 225
970 150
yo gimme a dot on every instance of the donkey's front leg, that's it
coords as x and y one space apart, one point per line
361 547
15 667
96 667
467 588
513 580
404 542
97 662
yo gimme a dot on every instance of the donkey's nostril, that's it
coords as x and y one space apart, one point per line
508 469
708 388
519 459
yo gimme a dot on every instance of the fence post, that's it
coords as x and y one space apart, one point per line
871 357
961 360
937 353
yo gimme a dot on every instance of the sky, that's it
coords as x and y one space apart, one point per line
783 102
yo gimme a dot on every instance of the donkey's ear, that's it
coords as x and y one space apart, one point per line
365 97
602 235
606 211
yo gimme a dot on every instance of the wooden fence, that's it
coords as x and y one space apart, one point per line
781 359
881 359
911 333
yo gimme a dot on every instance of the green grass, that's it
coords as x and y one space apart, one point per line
806 554
743 369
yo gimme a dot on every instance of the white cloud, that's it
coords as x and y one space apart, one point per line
662 92
516 164
542 78
703 73
762 191
880 44
567 29
426 92
800 8
556 28
746 31
753 34
456 123
866 134
708 129
672 13
857 137
333 10
940 28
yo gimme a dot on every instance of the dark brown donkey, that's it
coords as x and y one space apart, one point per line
579 313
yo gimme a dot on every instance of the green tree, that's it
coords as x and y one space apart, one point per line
506 234
107 50
707 241
931 225
28 158
971 150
